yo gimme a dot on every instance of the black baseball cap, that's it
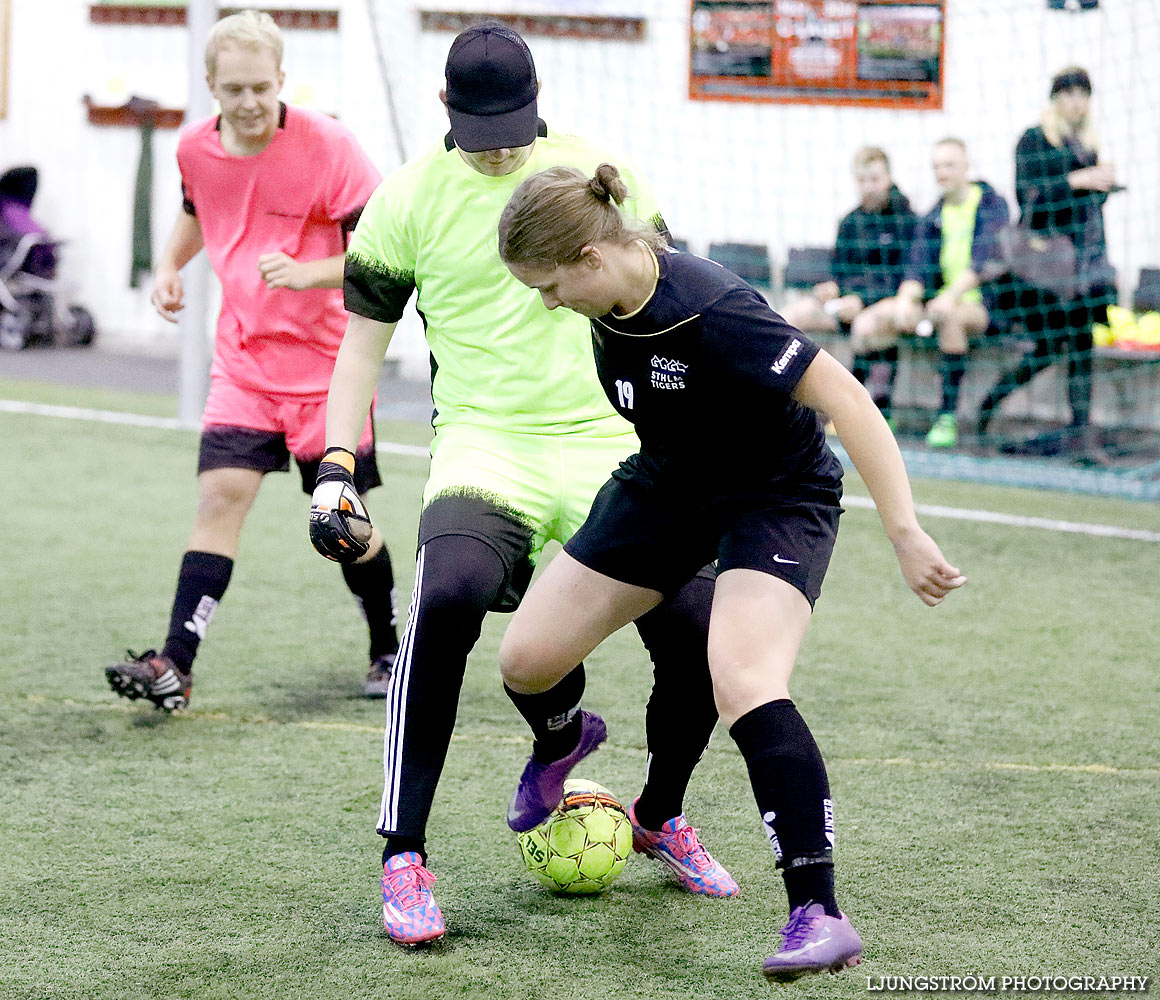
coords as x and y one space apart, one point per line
491 89
1072 78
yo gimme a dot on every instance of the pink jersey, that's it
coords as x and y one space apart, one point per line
291 197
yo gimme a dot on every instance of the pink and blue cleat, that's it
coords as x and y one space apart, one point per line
677 845
410 914
814 942
541 786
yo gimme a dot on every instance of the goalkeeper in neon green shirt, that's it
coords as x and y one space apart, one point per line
524 438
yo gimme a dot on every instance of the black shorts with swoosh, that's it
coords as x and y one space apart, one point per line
641 533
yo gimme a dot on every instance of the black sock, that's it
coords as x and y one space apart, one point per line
201 582
888 358
554 716
373 585
812 883
663 795
680 714
951 367
398 845
862 365
793 795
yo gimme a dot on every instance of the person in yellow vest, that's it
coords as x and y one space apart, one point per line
941 285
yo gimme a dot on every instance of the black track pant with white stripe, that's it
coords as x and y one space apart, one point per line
458 578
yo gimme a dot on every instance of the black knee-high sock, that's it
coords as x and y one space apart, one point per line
373 585
888 358
680 714
793 796
1030 365
951 368
1079 376
201 582
554 716
862 365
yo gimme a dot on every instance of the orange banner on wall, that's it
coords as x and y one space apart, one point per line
860 52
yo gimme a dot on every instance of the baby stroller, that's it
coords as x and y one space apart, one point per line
32 300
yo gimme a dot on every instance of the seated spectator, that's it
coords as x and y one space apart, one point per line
869 255
941 287
1061 184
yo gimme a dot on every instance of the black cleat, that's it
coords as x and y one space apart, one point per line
153 676
379 676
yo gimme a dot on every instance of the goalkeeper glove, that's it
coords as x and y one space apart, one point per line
340 528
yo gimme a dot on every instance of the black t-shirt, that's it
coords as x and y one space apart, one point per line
704 371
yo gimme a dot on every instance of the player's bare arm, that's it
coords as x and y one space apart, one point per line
829 388
280 270
168 295
340 527
356 373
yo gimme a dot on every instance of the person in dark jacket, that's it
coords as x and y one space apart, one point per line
869 254
1061 185
940 291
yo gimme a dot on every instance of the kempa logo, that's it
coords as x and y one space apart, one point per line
787 356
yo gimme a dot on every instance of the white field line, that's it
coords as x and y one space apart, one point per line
1019 520
418 451
338 726
157 423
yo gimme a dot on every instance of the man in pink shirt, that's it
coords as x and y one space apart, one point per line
271 193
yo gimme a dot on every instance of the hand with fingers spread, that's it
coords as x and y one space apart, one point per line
925 568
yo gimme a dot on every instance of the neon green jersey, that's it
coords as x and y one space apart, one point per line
958 235
499 358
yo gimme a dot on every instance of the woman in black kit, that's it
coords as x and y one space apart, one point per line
1061 184
723 394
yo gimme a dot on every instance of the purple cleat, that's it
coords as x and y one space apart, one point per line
814 942
541 786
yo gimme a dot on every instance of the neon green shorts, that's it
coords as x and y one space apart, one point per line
547 481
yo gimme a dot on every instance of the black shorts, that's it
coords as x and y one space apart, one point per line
225 447
640 534
475 516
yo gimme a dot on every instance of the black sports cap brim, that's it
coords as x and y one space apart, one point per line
1072 79
509 130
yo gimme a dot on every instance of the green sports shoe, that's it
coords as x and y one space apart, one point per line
944 433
